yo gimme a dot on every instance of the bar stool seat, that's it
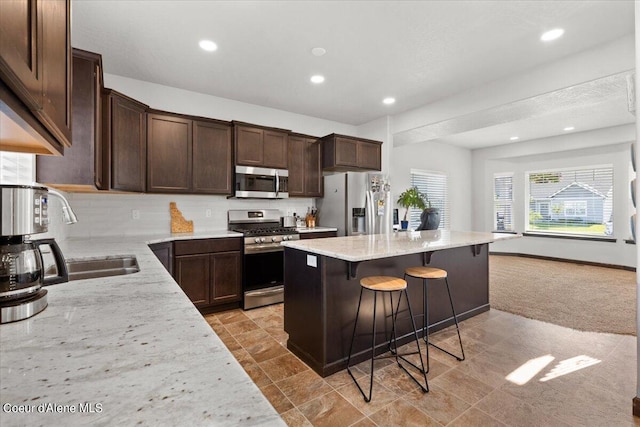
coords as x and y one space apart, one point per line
389 285
431 273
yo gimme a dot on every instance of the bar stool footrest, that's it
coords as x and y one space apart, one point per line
459 359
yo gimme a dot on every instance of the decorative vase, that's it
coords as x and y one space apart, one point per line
430 219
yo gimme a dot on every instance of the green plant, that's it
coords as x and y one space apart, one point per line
412 198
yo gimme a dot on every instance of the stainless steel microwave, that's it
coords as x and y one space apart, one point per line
261 183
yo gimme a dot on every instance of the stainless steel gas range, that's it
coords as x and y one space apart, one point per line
263 261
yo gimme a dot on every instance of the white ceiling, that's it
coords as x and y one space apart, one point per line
418 52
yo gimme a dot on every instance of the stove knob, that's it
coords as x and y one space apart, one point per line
257 240
273 239
284 238
262 240
290 237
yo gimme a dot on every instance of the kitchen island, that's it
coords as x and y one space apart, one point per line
322 287
124 350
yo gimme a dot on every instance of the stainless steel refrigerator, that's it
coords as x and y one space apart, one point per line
356 203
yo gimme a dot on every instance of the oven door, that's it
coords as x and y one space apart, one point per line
263 277
264 183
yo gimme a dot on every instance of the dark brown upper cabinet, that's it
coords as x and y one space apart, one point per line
212 158
35 64
124 135
188 156
259 146
83 165
305 168
169 157
347 153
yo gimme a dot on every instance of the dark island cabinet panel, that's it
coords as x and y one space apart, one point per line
212 158
318 235
35 61
83 164
164 252
169 157
347 153
260 147
125 134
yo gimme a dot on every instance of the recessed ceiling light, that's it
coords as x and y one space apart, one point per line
318 51
389 101
514 138
552 35
568 128
208 45
317 79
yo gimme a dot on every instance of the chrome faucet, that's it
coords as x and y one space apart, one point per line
68 214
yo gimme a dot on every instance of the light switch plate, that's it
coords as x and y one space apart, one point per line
312 261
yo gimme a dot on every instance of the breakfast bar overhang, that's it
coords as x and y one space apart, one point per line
322 288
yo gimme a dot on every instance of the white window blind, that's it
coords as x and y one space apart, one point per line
434 185
17 168
571 201
503 202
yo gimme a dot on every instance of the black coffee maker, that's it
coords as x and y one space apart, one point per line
23 212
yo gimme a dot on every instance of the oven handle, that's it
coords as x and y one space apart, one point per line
277 290
277 183
259 249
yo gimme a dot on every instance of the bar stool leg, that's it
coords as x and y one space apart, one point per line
424 388
353 337
425 302
455 319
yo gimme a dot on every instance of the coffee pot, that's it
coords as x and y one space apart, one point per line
24 211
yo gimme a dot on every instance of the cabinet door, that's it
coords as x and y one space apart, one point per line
226 273
275 149
168 154
192 274
297 172
20 42
369 155
212 160
346 152
56 68
127 129
82 164
313 182
249 146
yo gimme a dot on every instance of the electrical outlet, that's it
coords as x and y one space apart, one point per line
135 214
207 213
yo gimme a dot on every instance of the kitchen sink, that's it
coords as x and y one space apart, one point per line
102 267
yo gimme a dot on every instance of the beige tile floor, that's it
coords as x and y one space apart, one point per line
518 372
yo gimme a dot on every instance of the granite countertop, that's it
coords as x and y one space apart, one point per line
374 246
126 350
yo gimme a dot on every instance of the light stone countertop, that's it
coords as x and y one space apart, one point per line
375 246
132 346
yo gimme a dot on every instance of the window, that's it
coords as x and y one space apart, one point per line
434 185
502 202
17 168
571 201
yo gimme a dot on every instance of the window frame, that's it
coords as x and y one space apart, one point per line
445 216
502 202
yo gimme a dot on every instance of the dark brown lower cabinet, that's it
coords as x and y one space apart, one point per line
209 271
164 253
318 235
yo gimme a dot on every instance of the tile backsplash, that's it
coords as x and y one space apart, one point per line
113 214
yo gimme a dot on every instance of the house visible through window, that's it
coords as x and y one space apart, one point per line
502 202
434 185
571 201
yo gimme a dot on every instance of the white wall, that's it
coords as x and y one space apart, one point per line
434 156
604 146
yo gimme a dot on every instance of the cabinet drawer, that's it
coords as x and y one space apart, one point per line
318 235
203 246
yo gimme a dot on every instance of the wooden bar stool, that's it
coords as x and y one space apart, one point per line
388 285
426 274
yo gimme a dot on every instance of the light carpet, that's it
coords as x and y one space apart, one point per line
583 297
